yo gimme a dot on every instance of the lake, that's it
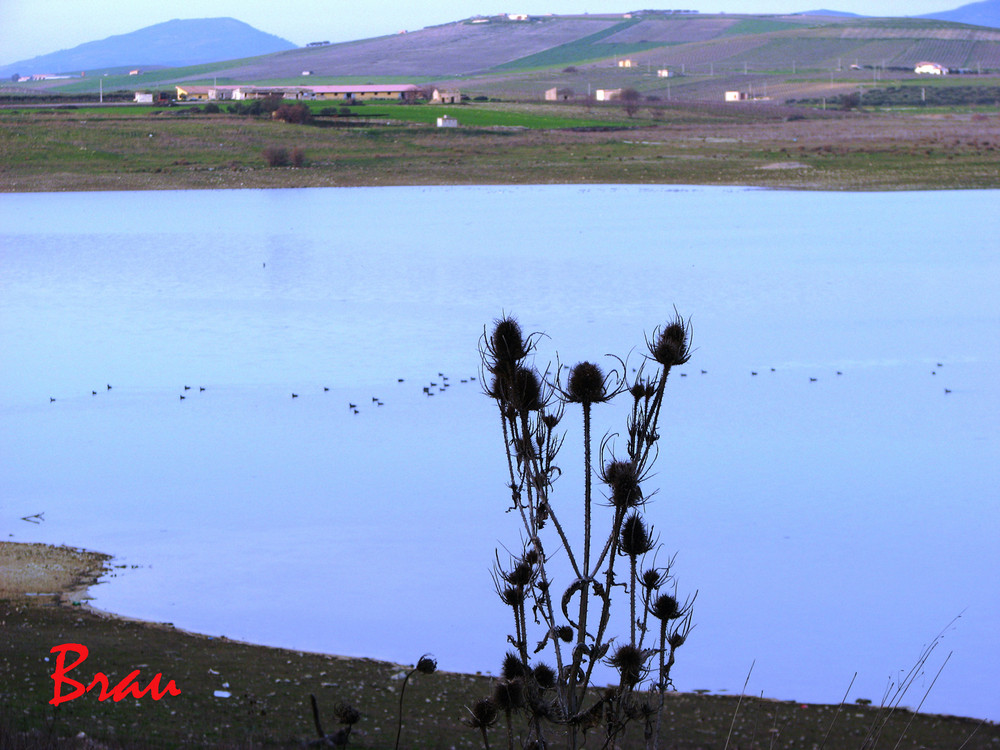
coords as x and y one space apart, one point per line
836 512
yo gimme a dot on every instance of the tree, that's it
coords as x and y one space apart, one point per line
630 99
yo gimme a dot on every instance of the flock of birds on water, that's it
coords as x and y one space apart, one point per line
442 383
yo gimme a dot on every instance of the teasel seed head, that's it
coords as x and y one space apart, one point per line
524 391
508 344
638 391
671 344
508 695
520 575
345 713
676 639
630 662
636 539
653 578
484 713
512 596
544 675
623 479
426 664
550 420
565 633
531 556
586 384
512 666
665 607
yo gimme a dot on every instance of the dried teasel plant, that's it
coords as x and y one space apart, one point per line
426 664
570 620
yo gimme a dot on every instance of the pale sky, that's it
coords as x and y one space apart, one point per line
36 27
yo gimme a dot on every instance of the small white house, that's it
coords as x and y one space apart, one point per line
447 121
736 96
930 69
517 16
142 97
663 73
607 95
626 63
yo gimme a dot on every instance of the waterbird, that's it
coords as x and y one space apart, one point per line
51 399
182 397
352 406
946 390
325 388
109 386
703 372
187 388
399 380
812 380
374 399
295 395
93 393
752 372
201 388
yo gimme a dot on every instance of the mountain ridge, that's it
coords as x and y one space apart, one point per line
174 43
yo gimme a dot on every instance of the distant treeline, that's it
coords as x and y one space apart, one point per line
914 96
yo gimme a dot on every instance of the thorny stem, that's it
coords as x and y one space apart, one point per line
634 561
402 690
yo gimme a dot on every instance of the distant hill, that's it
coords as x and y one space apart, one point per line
526 57
695 43
985 13
171 44
825 12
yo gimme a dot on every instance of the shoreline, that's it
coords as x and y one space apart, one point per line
235 693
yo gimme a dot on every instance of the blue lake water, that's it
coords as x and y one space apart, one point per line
831 526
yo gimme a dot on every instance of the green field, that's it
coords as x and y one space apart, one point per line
130 147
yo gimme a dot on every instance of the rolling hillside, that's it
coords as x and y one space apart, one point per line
791 54
696 42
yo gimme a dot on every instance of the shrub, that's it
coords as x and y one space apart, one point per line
297 114
211 109
298 157
276 156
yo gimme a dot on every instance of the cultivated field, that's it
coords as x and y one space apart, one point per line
144 148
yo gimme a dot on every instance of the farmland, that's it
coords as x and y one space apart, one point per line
139 148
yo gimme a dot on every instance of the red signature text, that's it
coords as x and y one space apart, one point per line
124 689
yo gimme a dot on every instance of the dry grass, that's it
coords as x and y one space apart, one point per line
55 150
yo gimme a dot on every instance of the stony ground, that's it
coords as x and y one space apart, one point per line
240 695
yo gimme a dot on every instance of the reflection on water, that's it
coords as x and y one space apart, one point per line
831 525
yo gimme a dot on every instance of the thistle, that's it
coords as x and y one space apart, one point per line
573 618
426 664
